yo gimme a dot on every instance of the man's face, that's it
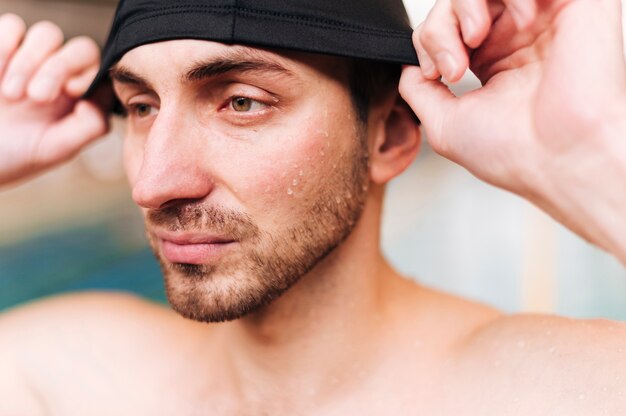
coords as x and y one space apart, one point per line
250 167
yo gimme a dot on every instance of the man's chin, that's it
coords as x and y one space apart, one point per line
203 294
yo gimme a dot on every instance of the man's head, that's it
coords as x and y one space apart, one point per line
251 165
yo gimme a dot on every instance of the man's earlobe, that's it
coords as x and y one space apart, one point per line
396 144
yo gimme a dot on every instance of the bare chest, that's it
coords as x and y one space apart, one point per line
180 381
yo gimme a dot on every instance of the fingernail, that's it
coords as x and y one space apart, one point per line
13 86
42 89
447 65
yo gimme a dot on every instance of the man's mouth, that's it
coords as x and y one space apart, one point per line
193 248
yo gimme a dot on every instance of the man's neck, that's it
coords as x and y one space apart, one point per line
321 333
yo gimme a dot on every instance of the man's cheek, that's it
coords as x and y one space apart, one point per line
290 170
132 158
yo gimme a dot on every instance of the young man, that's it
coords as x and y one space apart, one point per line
261 183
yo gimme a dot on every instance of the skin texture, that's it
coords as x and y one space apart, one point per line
231 185
351 337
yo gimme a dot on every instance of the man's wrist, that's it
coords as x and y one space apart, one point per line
585 189
614 140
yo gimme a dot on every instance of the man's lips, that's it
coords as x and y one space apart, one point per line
193 248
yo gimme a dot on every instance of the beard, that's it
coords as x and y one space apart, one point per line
265 264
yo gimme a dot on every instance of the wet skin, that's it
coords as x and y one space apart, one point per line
350 336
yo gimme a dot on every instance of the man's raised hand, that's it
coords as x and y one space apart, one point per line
549 122
43 121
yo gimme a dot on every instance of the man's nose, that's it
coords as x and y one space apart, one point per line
171 169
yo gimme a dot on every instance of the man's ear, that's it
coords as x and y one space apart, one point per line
396 143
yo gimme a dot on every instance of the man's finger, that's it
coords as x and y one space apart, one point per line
441 38
76 57
70 135
523 12
79 84
430 100
426 63
40 42
12 30
475 20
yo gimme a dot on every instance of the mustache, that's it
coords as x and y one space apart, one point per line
199 218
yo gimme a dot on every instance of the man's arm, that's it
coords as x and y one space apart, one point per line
549 123
43 121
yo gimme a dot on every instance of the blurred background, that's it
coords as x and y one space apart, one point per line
76 228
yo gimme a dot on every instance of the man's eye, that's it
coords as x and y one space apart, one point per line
142 110
245 105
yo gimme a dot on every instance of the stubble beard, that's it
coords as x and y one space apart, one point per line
265 264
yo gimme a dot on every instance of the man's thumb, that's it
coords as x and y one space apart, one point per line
430 100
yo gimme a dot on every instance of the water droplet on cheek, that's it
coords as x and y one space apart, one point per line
295 182
301 173
290 191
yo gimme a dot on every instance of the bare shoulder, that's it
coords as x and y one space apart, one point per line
451 317
79 315
552 337
553 363
113 323
69 325
67 304
106 341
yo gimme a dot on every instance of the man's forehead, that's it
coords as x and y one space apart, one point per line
192 51
193 60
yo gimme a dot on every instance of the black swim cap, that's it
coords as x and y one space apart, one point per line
368 29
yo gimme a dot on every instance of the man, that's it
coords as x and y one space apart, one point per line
261 183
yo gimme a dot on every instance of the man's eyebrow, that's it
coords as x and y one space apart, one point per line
126 76
225 65
239 61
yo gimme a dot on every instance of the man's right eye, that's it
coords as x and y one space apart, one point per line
142 110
